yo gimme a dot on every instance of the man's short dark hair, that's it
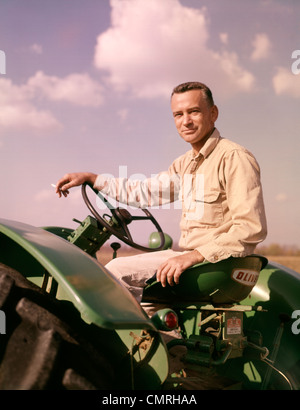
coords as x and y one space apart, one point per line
195 85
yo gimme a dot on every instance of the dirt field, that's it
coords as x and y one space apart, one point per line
106 253
292 262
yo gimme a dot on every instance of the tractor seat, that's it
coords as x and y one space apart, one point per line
228 281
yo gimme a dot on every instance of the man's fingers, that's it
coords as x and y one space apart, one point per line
170 277
65 183
166 275
177 276
61 190
74 179
171 270
65 187
65 193
161 273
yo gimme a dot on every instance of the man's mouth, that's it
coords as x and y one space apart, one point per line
189 131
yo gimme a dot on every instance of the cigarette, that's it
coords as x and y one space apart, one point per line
54 186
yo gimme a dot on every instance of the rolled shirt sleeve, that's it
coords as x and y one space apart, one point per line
150 192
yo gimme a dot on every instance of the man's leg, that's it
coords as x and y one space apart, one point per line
134 271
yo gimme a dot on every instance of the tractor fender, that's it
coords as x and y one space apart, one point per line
81 279
277 293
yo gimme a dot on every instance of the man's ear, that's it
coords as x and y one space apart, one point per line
214 113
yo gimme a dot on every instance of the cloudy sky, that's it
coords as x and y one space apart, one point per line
85 85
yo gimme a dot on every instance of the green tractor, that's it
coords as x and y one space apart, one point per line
66 323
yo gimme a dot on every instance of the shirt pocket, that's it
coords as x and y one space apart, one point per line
210 202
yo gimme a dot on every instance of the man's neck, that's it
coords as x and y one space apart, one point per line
199 145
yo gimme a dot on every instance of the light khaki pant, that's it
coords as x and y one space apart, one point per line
134 271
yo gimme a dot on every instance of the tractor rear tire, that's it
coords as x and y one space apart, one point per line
46 345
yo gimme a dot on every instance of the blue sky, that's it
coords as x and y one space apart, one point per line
87 88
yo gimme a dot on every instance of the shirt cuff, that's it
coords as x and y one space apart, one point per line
214 253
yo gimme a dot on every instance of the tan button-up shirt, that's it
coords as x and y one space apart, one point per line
221 198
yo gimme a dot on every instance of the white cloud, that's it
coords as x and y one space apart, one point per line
59 210
78 89
228 62
44 195
224 38
281 197
261 47
152 46
123 114
285 82
19 103
18 113
49 194
36 49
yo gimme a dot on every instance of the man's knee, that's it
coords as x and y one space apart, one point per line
115 265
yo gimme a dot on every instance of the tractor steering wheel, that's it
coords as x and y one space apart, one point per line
122 218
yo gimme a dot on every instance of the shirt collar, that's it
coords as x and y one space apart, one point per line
209 146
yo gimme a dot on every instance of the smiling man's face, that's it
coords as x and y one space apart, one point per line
194 118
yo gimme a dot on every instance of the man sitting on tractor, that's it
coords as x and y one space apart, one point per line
218 182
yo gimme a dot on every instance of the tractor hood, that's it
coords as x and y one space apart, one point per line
97 295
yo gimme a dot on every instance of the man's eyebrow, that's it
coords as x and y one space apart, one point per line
188 109
177 112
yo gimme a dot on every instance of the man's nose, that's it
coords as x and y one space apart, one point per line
187 120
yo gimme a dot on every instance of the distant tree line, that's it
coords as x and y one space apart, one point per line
280 250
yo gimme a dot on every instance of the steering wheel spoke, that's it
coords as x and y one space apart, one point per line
140 218
127 232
